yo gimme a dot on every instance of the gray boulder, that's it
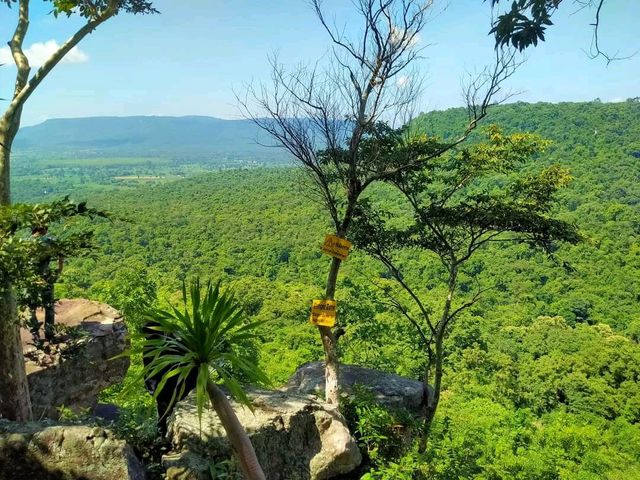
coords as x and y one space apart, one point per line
74 372
31 451
388 389
295 437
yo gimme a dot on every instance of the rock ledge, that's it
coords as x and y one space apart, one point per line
39 451
75 378
295 437
388 389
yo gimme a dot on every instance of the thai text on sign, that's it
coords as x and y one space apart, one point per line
323 313
336 247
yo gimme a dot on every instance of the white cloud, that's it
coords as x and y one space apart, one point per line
39 52
398 35
402 81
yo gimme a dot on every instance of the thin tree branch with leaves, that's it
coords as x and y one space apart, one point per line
459 204
336 120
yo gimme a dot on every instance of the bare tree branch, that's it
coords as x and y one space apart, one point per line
481 92
594 50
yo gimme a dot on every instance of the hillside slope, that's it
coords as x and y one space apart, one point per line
542 376
141 136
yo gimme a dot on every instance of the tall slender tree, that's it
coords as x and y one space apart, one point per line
329 117
14 392
461 203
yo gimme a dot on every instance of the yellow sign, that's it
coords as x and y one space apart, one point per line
336 247
323 313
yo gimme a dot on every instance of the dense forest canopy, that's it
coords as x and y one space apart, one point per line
543 378
489 254
596 141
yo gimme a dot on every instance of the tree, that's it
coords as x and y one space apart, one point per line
461 203
329 118
14 391
32 238
52 239
13 255
207 337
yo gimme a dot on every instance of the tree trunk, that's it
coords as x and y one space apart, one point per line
332 366
34 324
433 400
235 432
5 166
49 306
48 297
15 403
431 405
14 389
441 329
329 339
330 343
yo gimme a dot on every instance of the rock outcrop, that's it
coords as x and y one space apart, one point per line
74 372
34 451
388 389
295 437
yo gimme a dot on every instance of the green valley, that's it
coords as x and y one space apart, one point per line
318 239
543 374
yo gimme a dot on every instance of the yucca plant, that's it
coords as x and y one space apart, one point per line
207 335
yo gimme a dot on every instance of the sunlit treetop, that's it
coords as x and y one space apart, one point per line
478 195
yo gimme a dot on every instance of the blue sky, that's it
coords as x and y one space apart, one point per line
191 58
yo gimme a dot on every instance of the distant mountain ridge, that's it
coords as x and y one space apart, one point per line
201 136
143 136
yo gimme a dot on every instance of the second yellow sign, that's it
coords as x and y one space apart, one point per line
323 313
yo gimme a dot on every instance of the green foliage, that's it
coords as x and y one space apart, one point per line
66 414
14 251
473 197
501 414
207 336
224 470
460 203
543 401
136 422
383 435
91 10
37 236
525 23
131 292
131 396
33 236
581 369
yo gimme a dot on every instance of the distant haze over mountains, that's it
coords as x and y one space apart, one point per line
209 138
144 136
